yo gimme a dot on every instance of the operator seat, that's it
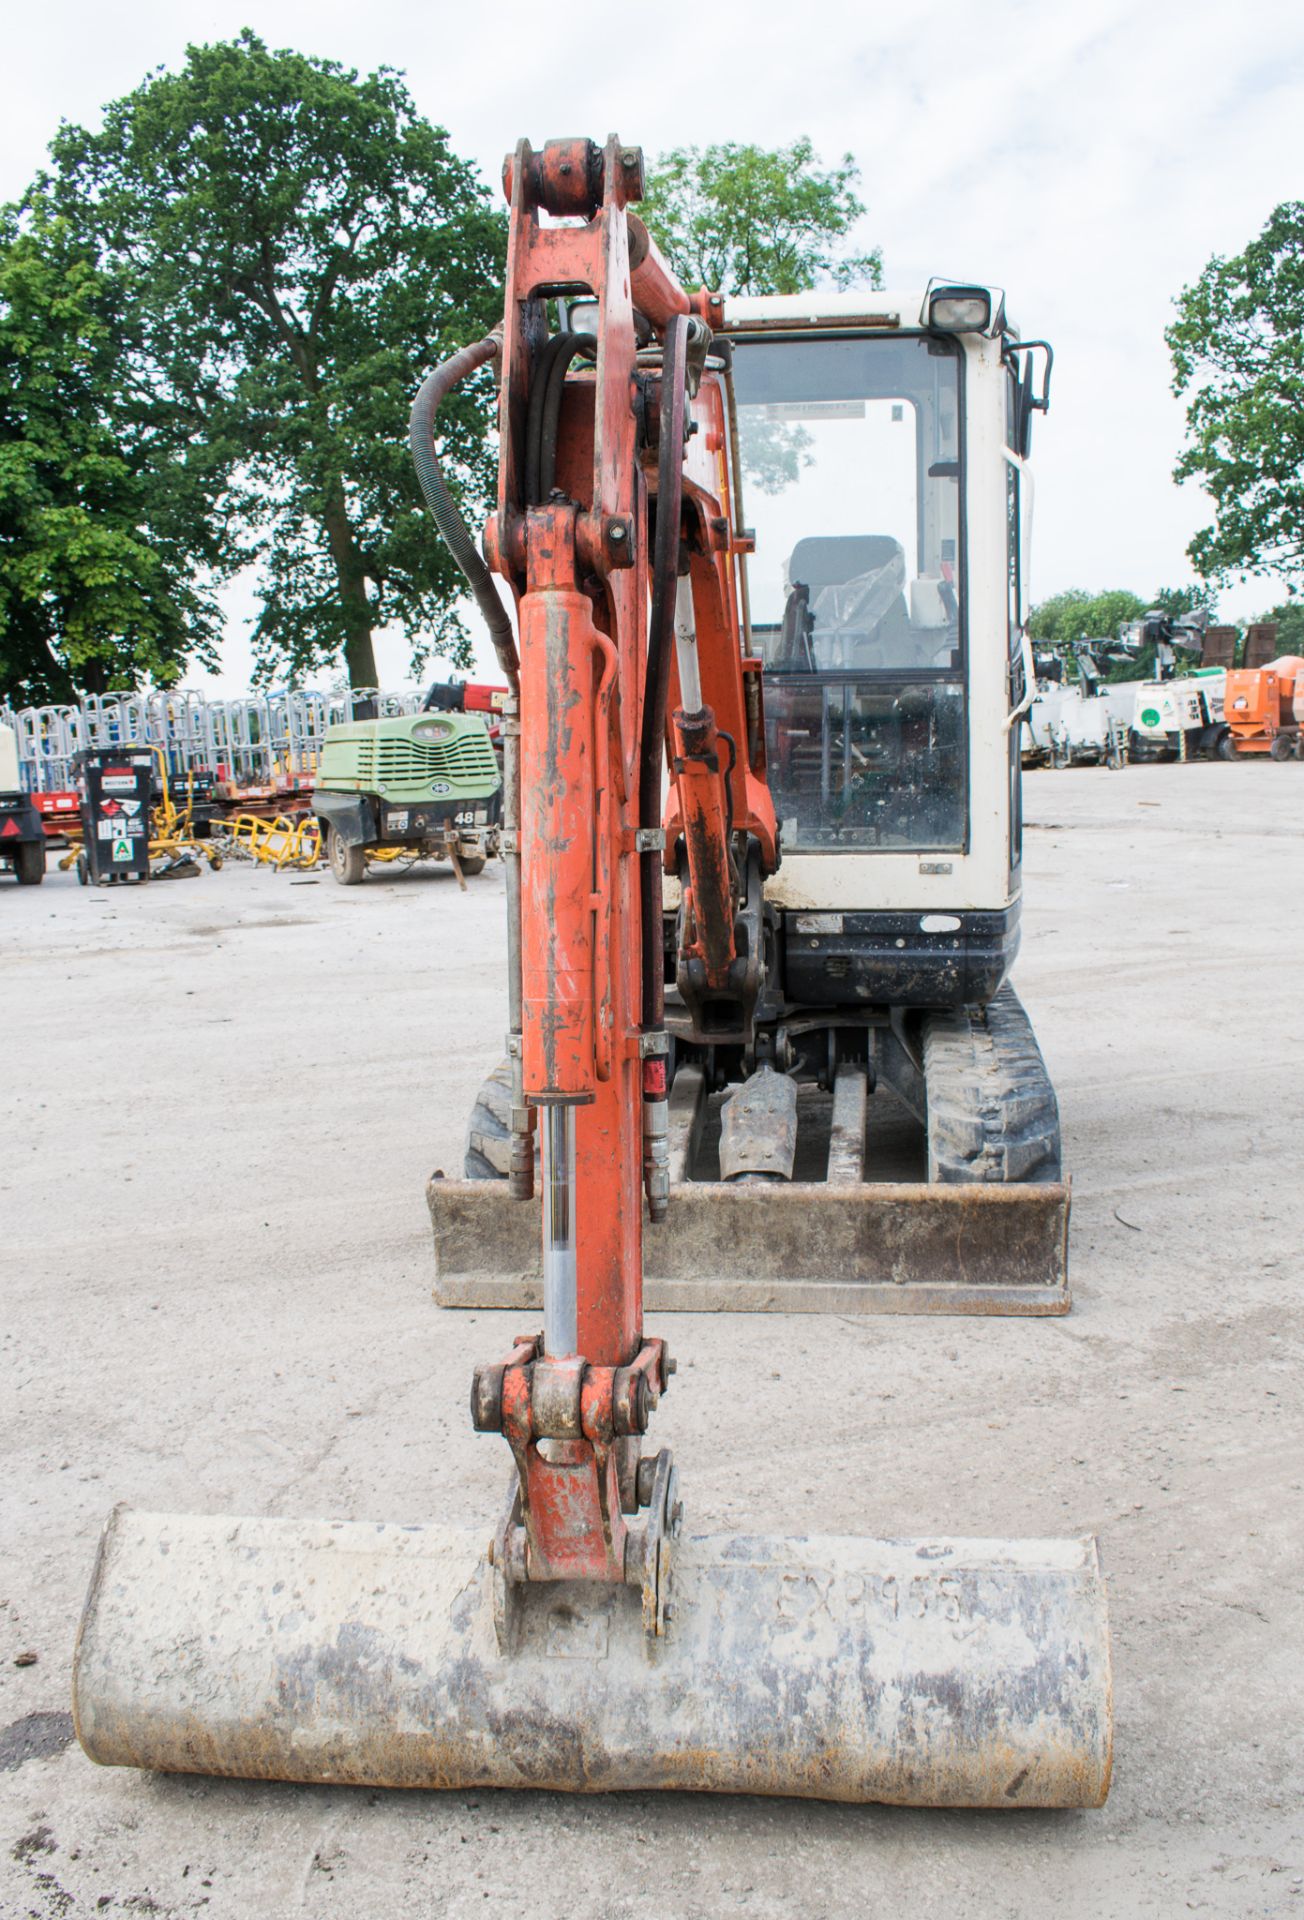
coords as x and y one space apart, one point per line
835 560
795 653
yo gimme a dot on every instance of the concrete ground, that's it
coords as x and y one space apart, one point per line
221 1099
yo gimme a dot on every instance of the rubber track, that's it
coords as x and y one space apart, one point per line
992 1112
488 1133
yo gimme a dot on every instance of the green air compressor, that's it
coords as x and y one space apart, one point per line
420 786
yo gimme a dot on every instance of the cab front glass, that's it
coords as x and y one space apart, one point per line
851 456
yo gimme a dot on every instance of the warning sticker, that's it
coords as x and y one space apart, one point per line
397 822
131 806
119 783
105 829
122 850
814 410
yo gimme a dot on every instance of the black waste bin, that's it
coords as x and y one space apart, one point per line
113 786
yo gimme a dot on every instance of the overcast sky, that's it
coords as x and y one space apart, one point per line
1089 158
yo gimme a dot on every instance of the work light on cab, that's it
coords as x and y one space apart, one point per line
960 309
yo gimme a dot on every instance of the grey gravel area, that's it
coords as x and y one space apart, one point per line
221 1099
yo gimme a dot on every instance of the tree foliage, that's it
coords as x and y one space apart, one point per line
1078 615
1176 602
1289 620
744 219
1238 353
297 246
106 559
1075 615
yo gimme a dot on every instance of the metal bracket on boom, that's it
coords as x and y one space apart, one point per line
574 1433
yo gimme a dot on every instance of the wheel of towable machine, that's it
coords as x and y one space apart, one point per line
29 863
348 864
1226 748
1282 748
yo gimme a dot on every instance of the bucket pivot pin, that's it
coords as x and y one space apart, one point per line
574 1431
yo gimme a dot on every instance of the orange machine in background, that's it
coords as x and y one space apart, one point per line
1264 707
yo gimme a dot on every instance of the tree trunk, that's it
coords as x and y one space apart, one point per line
350 571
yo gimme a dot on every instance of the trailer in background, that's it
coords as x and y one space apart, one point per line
22 836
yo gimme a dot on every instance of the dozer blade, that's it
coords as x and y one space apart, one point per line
940 1672
806 1248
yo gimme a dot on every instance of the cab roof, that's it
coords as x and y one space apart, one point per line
880 308
872 306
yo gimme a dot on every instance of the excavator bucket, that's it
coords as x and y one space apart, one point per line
930 1672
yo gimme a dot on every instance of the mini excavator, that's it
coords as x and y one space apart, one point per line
596 1644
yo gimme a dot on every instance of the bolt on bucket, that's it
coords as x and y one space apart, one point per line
930 1672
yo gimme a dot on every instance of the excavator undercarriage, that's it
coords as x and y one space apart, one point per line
912 1168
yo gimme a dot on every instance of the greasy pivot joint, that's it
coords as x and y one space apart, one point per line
533 1397
487 1384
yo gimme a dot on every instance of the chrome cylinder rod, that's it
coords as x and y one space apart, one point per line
520 1176
690 678
560 1308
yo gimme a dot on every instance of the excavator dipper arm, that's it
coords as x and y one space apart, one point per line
622 557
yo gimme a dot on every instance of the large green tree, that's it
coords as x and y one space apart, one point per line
298 246
744 219
1238 357
107 559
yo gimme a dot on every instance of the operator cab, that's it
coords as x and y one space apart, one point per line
851 468
881 442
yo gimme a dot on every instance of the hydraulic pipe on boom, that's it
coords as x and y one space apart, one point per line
937 1671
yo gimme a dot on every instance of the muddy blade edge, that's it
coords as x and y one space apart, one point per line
927 1672
902 1248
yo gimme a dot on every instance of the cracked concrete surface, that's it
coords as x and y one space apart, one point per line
221 1100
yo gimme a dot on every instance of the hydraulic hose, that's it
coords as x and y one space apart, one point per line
544 417
534 416
661 635
456 535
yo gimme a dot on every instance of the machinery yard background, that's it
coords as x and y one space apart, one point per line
218 1298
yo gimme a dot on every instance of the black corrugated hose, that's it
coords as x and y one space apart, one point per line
660 646
457 537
